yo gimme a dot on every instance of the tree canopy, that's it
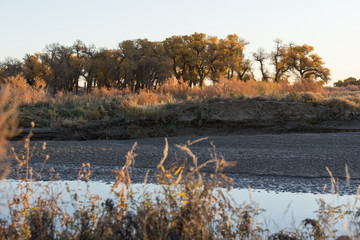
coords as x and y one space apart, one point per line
143 64
347 82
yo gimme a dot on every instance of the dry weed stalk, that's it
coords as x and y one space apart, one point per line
192 204
8 125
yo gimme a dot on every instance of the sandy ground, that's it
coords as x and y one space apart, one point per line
279 162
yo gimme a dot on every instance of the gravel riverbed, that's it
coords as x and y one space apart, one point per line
274 162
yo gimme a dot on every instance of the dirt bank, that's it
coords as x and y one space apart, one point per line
214 118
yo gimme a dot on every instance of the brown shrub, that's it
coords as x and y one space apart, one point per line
341 108
146 97
308 85
177 88
311 97
24 92
227 87
108 92
345 89
235 88
341 104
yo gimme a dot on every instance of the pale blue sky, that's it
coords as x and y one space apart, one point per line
331 26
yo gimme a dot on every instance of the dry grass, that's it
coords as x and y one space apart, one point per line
68 110
224 88
8 124
171 91
190 205
308 85
174 91
25 93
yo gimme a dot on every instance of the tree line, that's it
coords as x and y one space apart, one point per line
348 81
143 64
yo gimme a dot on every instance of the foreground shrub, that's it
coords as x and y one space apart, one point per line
8 125
189 205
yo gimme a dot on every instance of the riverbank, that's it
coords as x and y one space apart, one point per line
220 117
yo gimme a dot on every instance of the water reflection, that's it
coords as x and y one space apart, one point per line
282 209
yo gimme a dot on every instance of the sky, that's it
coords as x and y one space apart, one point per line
332 27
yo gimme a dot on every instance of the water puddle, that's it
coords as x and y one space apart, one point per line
282 209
